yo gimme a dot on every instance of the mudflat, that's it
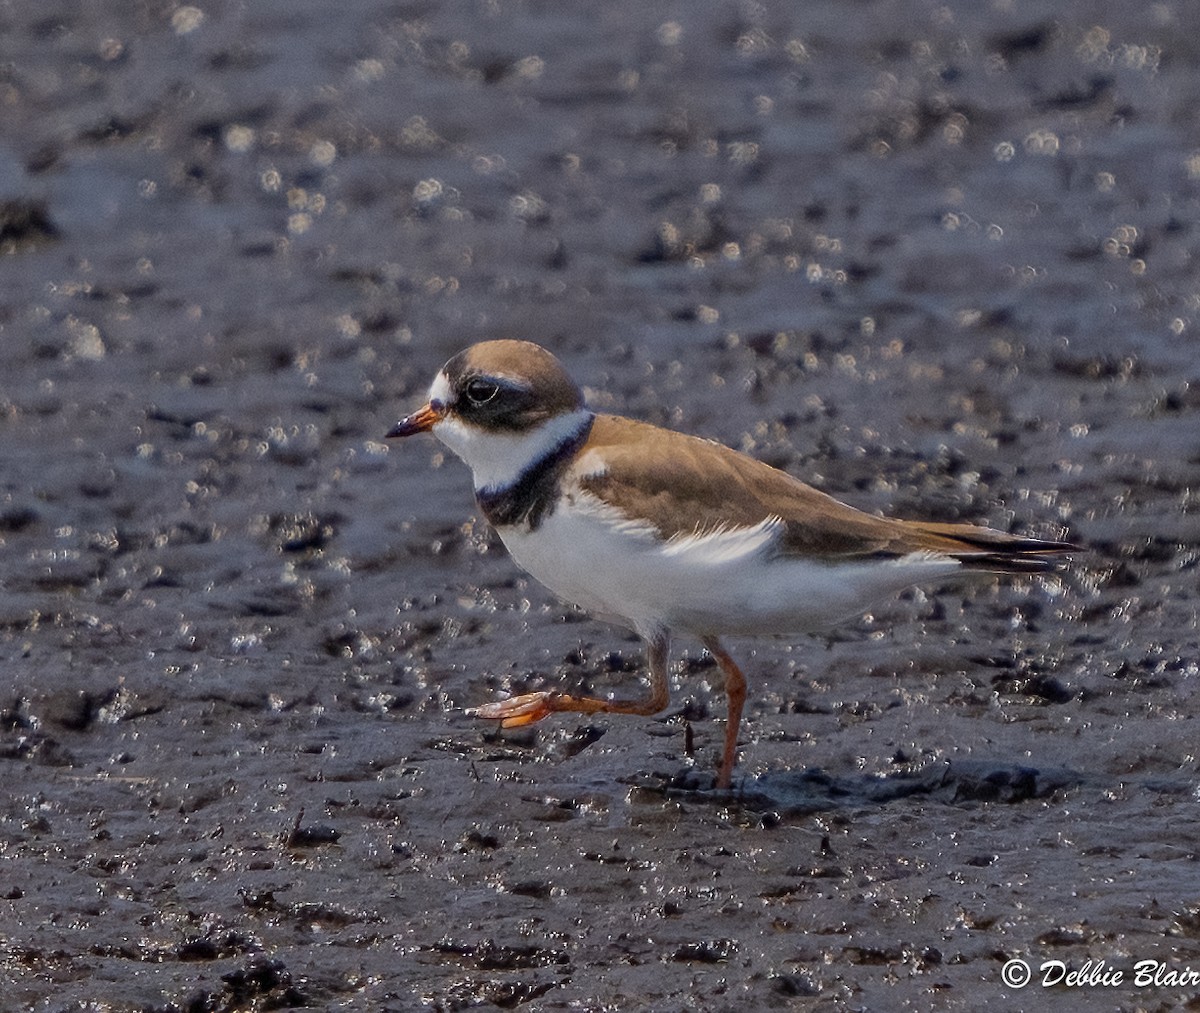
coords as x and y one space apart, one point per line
939 261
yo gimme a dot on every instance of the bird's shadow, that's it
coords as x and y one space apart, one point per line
797 792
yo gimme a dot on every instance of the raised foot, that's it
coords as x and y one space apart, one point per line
516 711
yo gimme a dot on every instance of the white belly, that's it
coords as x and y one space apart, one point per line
722 583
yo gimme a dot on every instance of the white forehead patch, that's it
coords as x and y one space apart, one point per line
439 390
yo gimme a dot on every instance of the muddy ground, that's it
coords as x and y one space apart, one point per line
937 259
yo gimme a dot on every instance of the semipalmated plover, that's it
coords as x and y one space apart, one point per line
664 532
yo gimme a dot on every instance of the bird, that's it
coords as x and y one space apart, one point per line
667 533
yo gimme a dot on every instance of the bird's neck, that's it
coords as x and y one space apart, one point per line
528 494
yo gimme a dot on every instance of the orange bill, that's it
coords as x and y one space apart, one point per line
420 421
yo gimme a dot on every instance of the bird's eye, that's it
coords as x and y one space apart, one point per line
481 391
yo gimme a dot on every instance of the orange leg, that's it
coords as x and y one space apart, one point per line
531 707
735 694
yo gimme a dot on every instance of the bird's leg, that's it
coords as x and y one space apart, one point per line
735 694
531 707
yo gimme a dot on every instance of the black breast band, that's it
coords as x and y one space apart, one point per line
530 499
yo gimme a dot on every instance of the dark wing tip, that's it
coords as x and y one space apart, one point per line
1015 554
997 562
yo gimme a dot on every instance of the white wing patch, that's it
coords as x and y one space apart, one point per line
592 508
590 464
724 544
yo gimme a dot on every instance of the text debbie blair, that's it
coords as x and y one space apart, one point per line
1098 973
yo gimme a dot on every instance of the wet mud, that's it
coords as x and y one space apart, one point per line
938 260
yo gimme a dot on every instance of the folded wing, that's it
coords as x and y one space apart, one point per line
684 487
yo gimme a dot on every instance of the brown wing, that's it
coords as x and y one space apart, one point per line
684 485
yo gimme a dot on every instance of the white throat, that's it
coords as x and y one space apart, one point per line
497 460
